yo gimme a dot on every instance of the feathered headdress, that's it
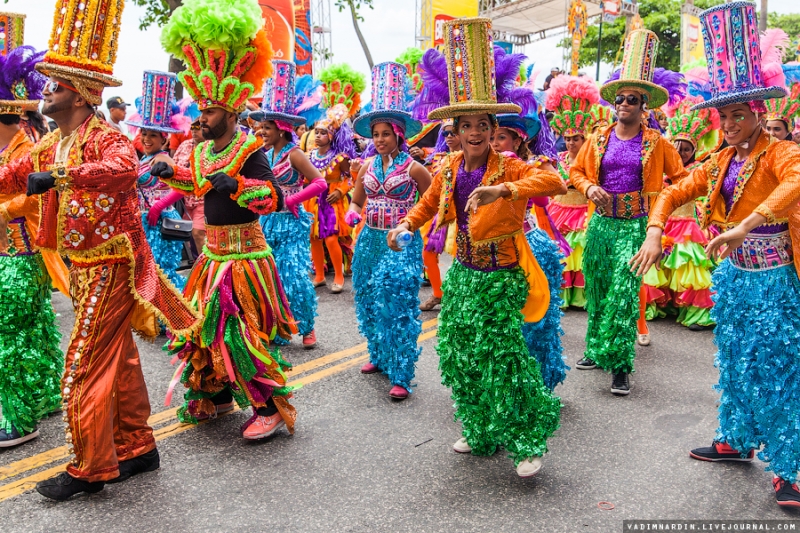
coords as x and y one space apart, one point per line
20 84
602 116
700 128
527 123
225 49
571 99
785 109
410 58
308 94
342 85
435 93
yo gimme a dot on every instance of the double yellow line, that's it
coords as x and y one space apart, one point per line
173 427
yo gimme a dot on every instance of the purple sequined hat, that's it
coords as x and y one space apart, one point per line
733 55
388 101
156 106
278 102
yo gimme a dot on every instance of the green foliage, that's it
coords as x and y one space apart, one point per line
156 12
790 23
660 16
354 5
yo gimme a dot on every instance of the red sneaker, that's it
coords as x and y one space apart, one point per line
720 451
786 494
369 368
310 340
398 393
263 426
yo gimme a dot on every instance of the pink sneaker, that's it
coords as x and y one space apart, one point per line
398 393
369 368
263 426
310 340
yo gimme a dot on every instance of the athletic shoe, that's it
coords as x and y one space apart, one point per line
398 393
430 304
786 494
64 486
310 340
147 462
462 446
586 364
14 438
621 385
529 467
369 368
263 427
720 451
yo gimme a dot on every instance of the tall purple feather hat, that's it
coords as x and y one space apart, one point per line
21 85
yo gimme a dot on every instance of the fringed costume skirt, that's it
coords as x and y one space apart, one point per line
235 283
570 213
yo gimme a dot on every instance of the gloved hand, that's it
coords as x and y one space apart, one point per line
161 170
223 183
292 204
352 219
40 182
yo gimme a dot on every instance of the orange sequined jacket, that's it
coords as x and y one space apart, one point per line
494 223
19 205
96 216
769 185
659 159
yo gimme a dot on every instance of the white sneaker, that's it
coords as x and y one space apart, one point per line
529 467
461 446
644 339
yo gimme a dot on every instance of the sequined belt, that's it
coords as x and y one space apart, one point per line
485 256
236 239
289 190
19 240
573 197
763 252
384 215
627 205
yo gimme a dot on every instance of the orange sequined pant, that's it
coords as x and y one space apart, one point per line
104 395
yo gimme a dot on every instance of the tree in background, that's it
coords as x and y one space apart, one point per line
354 6
791 25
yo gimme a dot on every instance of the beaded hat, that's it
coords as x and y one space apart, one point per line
785 109
698 127
733 56
224 47
83 45
279 99
12 31
638 66
157 107
470 70
388 101
571 99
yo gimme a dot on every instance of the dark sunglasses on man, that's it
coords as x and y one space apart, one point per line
631 99
52 86
450 133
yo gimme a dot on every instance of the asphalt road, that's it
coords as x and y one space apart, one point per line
360 462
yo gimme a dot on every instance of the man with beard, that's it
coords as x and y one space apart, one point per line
86 174
235 279
621 169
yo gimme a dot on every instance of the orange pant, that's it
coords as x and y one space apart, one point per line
104 395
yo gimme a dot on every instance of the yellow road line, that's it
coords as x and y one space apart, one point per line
56 454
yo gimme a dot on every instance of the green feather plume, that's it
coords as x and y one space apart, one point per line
344 74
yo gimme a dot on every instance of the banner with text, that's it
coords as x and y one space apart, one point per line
444 10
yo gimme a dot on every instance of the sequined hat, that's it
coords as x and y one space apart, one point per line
12 31
83 45
20 84
279 100
157 104
733 56
698 127
388 101
470 70
638 66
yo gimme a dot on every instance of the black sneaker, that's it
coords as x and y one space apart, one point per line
786 494
147 462
64 486
698 327
14 438
621 385
720 451
586 364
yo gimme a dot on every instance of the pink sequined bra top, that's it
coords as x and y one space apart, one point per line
289 180
390 195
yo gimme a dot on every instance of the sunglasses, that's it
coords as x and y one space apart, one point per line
52 86
631 99
195 127
450 133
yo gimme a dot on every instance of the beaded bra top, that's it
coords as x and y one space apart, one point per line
289 180
391 194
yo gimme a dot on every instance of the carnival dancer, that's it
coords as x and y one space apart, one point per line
31 361
157 117
695 134
781 112
497 387
752 190
85 172
334 149
288 232
620 171
235 279
194 209
386 284
571 100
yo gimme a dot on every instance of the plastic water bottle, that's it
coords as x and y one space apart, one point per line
404 238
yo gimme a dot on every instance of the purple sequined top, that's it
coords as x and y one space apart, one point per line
621 168
466 182
729 189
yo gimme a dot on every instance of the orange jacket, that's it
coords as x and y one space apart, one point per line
660 159
770 186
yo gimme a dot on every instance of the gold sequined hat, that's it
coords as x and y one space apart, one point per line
20 85
83 45
12 31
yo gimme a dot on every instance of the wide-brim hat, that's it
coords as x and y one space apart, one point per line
529 125
656 95
18 107
89 84
460 110
363 124
637 70
743 97
261 116
154 127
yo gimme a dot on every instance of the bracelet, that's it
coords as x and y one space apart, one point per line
62 177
